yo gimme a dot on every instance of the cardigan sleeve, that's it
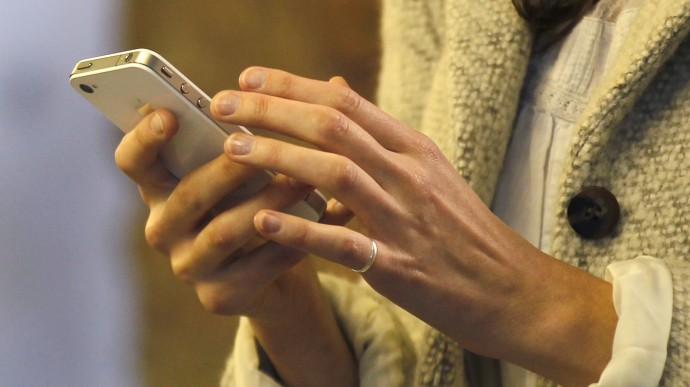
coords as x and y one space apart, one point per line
677 370
381 345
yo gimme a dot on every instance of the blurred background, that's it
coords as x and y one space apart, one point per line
83 300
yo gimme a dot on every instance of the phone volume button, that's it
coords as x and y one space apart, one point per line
202 103
185 89
84 65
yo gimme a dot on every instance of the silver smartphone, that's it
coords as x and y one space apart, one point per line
126 86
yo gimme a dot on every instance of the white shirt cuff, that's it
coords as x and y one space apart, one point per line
643 298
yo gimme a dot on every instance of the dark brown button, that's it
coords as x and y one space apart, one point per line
593 213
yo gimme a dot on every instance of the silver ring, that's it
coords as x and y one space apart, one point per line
372 258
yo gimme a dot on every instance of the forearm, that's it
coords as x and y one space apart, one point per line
558 322
307 347
530 309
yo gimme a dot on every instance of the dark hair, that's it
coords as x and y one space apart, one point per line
550 19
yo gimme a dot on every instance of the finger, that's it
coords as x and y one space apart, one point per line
137 154
232 289
233 229
335 243
322 126
211 186
340 81
336 213
336 174
388 131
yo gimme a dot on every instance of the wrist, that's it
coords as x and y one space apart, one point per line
567 333
296 294
304 341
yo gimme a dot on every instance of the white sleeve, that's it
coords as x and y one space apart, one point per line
383 349
643 298
243 367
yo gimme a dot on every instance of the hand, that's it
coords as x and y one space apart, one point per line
208 244
442 254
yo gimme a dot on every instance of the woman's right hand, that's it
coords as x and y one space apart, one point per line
206 242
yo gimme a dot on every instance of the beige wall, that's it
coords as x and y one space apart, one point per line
211 42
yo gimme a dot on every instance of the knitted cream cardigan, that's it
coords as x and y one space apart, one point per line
454 69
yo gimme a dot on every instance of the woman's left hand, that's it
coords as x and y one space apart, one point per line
442 254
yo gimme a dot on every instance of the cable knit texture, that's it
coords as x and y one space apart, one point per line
454 70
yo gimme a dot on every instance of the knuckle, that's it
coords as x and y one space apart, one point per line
156 235
233 172
424 184
424 188
345 174
186 196
261 107
123 161
300 236
220 239
426 147
145 138
273 153
230 168
348 100
409 267
215 301
285 83
183 270
334 125
351 248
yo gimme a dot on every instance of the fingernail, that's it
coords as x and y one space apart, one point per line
226 104
254 78
240 144
157 123
340 207
269 224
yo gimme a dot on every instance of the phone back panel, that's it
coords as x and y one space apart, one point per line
127 93
127 86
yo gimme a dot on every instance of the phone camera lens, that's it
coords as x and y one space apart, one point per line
86 88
